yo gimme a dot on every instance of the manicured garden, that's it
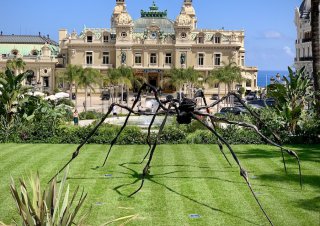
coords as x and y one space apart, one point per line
184 180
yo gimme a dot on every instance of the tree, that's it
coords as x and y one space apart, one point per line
16 64
12 91
126 80
71 74
316 50
178 78
292 97
86 79
192 78
228 75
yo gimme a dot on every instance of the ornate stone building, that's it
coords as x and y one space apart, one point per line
154 44
38 52
303 42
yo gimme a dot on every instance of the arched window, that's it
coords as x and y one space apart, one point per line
30 78
34 52
14 52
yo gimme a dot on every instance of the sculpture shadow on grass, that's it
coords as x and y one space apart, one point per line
152 178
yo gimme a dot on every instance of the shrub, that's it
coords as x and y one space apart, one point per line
65 101
201 137
90 115
172 134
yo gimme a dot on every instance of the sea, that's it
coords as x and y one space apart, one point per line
265 76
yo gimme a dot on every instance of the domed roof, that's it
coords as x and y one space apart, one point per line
305 8
165 25
154 18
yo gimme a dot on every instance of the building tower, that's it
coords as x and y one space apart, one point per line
303 43
122 23
189 10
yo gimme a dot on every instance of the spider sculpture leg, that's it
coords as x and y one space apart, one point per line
243 172
149 133
253 127
144 86
214 127
147 167
256 116
76 153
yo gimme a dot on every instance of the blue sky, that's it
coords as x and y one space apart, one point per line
268 24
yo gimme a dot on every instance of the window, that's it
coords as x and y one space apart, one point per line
89 38
183 35
153 58
217 39
201 39
106 38
123 34
89 57
242 60
168 59
105 58
217 59
216 85
34 52
248 83
15 52
137 58
201 59
45 82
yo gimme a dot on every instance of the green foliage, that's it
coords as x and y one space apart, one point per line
172 134
90 115
12 94
50 207
65 101
292 98
237 135
201 137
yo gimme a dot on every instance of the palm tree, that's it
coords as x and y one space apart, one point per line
178 78
216 76
16 64
192 77
125 80
71 74
228 75
87 78
316 50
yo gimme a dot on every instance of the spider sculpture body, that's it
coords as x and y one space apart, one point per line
186 110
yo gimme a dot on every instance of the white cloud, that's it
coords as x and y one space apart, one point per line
272 35
288 51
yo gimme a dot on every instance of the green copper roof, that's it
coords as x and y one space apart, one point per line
141 25
26 49
154 12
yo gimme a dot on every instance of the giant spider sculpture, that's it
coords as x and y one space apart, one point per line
186 109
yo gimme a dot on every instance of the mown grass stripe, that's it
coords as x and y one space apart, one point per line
188 178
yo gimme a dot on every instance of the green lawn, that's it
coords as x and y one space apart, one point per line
185 179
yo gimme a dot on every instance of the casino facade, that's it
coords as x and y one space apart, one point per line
153 44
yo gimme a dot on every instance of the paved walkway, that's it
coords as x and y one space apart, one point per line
95 103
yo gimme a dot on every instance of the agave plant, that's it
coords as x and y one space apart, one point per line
49 207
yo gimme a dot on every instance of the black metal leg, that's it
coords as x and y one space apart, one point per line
214 126
146 168
149 133
125 123
243 172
